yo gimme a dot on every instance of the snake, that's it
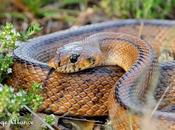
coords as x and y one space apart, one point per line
104 69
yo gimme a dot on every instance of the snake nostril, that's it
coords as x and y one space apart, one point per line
59 63
142 37
91 60
74 58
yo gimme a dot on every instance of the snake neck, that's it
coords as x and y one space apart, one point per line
136 57
119 53
117 49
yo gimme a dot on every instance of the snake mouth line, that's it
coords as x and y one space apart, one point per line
72 68
68 69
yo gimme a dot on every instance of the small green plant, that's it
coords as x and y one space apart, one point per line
34 99
50 119
8 39
12 104
5 63
32 30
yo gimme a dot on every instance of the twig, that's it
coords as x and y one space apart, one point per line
160 100
141 29
130 120
49 126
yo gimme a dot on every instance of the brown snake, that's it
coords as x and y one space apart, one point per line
99 90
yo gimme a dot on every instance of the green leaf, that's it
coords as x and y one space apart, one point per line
32 30
68 2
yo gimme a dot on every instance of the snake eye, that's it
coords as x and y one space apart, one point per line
74 58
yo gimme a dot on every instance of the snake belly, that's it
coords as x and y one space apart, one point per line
100 91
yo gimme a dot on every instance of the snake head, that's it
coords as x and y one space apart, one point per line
74 57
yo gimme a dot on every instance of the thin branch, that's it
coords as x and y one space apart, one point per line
141 29
49 126
160 100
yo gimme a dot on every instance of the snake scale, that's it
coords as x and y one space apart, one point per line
87 80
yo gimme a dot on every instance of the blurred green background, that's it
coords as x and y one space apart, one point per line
56 15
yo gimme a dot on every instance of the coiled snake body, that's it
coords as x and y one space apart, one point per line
97 91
